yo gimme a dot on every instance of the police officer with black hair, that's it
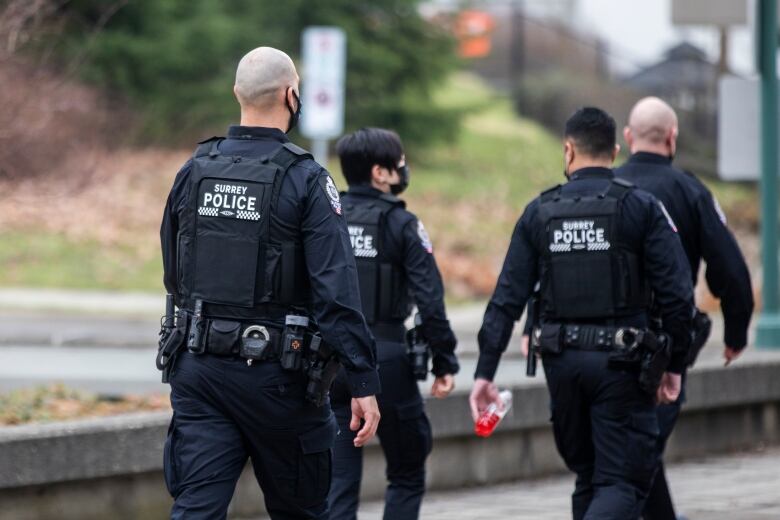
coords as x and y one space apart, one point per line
651 135
257 255
396 269
598 248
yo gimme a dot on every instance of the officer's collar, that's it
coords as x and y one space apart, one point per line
256 132
592 172
650 157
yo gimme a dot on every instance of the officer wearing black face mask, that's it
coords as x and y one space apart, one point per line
598 247
257 255
396 268
651 135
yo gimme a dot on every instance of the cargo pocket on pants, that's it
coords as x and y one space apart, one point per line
170 469
414 432
314 464
641 448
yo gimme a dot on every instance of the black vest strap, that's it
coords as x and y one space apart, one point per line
208 147
550 194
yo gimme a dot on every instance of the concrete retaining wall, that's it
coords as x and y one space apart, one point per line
111 468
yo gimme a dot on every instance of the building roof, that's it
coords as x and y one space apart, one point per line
684 65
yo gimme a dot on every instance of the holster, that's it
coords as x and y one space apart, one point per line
655 358
418 352
702 327
321 368
169 346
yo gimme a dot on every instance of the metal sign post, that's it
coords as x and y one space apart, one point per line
768 327
324 70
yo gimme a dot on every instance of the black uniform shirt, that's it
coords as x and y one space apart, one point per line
409 248
643 227
703 232
305 211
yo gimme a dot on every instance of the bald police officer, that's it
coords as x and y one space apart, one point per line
597 246
651 135
257 255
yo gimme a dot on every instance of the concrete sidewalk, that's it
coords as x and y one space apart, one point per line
744 487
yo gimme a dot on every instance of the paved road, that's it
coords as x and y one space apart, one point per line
735 487
115 354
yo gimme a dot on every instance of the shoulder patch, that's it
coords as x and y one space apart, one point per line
668 216
719 210
331 192
425 240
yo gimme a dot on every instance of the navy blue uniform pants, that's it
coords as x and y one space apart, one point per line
225 412
404 434
659 504
606 430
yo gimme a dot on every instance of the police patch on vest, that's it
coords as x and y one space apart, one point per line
229 199
362 242
326 181
425 240
582 234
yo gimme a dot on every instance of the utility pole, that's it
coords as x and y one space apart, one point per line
768 327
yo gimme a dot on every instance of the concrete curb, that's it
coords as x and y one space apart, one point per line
82 302
42 465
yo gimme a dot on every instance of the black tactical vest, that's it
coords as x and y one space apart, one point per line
226 253
384 291
587 272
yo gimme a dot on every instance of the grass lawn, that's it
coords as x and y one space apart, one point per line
469 193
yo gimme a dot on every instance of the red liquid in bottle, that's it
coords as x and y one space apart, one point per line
487 423
493 414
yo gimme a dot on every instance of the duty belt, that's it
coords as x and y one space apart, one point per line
591 337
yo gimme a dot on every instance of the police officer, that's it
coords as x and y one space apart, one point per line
597 246
256 252
651 135
396 268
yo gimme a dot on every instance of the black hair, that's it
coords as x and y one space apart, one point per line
593 132
362 149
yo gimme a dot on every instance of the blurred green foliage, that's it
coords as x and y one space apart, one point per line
174 60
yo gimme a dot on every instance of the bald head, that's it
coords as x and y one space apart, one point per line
652 126
263 77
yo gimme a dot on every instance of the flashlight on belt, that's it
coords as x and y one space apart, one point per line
292 342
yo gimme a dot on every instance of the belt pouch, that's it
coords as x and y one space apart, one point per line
223 337
550 339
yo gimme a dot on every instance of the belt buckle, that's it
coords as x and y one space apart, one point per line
256 333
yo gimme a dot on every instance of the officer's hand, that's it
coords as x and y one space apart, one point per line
442 386
669 389
524 345
730 354
367 409
482 395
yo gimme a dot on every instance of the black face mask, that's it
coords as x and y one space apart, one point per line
294 116
403 173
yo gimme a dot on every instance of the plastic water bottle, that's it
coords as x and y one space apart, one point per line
493 414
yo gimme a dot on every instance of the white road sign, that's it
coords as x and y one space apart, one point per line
322 83
710 12
739 137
